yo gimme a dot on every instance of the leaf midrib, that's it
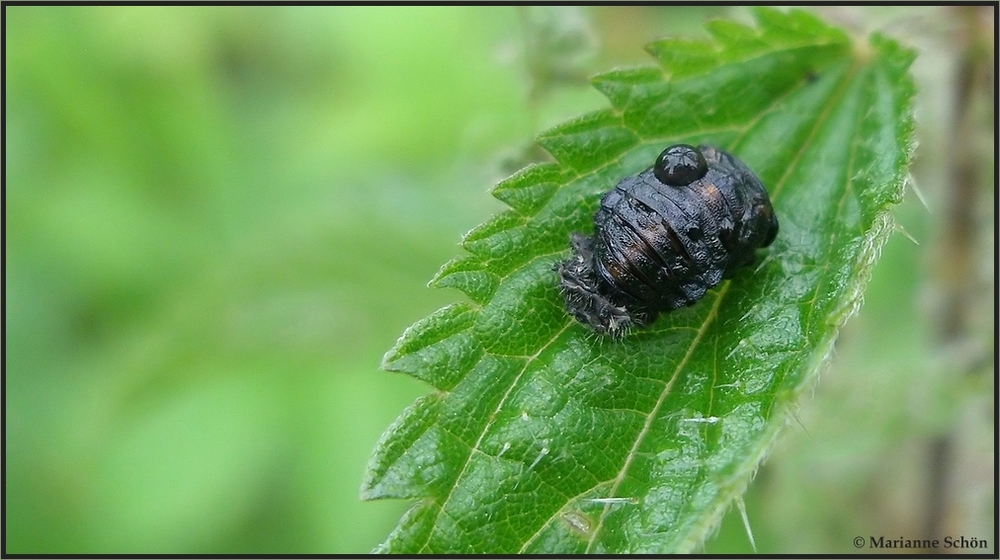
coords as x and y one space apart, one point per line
823 116
485 430
651 417
713 313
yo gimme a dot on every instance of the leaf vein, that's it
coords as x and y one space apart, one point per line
479 440
712 314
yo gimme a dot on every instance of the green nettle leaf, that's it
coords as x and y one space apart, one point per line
542 437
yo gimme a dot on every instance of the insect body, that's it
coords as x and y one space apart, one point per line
664 237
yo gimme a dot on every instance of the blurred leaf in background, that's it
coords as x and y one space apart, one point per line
219 218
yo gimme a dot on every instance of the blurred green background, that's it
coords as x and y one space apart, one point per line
219 218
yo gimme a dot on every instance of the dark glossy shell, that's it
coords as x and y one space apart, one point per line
664 237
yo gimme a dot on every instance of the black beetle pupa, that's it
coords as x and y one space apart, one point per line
662 238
